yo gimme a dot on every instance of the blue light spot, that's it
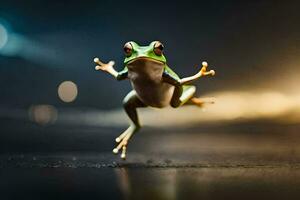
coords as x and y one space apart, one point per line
3 36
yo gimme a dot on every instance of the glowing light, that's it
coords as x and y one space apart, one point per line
67 91
229 106
43 114
3 36
11 43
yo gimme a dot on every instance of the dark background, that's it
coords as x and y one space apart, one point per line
251 44
246 146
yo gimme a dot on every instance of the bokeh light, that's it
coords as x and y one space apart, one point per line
67 91
43 114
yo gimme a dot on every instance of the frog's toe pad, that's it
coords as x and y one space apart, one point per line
123 154
115 150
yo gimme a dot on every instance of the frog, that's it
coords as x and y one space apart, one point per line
154 84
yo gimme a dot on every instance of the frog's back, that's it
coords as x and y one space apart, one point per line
146 80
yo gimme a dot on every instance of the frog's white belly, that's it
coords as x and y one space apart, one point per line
146 79
155 95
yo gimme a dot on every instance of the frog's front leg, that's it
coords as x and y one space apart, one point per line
202 72
182 94
131 102
108 67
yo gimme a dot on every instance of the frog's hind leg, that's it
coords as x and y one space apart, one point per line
182 95
185 96
130 103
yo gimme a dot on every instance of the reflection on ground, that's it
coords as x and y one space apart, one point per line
257 160
209 183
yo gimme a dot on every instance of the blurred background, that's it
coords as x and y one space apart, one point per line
53 102
252 45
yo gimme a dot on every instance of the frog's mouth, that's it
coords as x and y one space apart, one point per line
144 58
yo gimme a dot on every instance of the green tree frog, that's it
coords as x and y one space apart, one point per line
154 84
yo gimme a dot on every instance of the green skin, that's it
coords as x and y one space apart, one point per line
154 84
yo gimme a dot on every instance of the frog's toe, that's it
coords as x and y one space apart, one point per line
123 140
122 136
122 145
123 154
201 101
115 150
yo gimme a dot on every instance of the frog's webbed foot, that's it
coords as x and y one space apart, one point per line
103 66
202 101
204 72
123 140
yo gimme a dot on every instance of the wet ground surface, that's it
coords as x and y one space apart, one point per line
242 161
150 183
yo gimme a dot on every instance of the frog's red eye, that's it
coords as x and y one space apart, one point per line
158 48
128 49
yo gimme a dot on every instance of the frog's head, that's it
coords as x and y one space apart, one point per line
153 52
